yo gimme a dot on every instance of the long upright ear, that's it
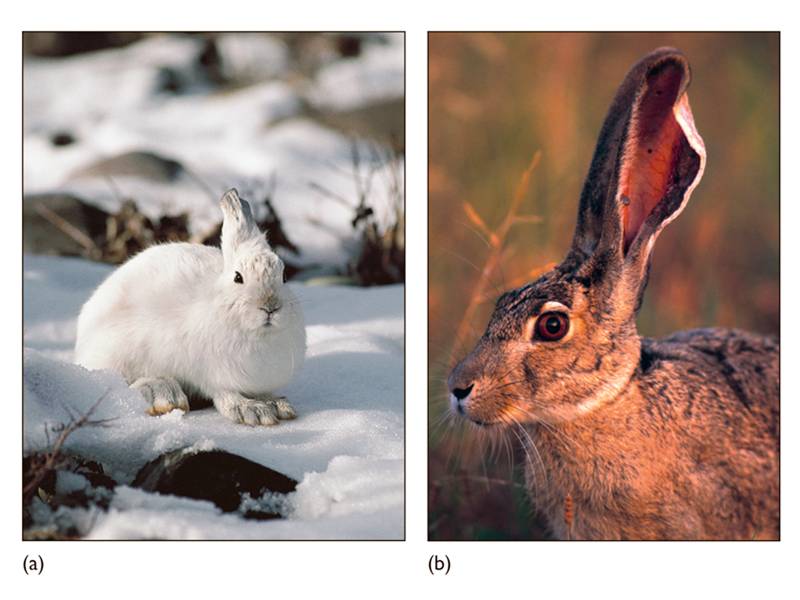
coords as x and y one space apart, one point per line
238 223
648 160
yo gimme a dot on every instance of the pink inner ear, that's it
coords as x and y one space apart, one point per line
651 150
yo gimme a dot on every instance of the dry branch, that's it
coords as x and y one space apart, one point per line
51 459
496 238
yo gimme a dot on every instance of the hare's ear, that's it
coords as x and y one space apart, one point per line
648 160
238 224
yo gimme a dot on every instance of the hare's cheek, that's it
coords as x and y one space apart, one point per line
254 320
491 402
481 410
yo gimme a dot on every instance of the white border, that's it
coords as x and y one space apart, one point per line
393 568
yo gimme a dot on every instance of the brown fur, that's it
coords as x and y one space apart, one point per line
629 437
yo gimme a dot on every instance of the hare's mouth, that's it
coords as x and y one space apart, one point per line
463 411
484 423
492 423
271 313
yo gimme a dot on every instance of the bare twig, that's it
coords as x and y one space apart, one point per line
381 254
496 238
67 228
52 458
329 194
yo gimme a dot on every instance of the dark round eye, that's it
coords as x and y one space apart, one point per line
552 326
238 278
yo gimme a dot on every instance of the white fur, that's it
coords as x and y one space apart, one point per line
174 312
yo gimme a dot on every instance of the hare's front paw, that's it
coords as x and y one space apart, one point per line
264 410
162 393
282 407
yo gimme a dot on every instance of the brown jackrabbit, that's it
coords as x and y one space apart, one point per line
628 437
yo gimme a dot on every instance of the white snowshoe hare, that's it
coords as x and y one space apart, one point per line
628 437
182 321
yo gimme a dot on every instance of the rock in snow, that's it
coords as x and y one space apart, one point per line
216 475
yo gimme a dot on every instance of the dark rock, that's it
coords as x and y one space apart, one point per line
348 45
209 62
65 43
135 164
62 138
218 476
94 473
169 80
43 219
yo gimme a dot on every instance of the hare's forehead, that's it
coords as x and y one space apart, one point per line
529 299
257 256
515 307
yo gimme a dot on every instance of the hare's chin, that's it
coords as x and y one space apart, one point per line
481 423
464 414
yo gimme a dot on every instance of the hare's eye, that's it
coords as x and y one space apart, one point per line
238 278
552 326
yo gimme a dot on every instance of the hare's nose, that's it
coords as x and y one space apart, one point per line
273 304
461 393
461 383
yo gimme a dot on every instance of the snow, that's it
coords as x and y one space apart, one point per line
376 75
67 482
238 136
345 449
252 56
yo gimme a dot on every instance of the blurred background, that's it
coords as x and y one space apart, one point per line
495 100
131 138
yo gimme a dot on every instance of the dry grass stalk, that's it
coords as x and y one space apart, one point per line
380 257
68 229
569 514
496 238
50 460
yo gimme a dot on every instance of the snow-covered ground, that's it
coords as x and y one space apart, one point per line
112 102
345 448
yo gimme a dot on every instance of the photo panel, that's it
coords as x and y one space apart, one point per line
213 286
565 401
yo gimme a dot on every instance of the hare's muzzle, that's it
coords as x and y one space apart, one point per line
460 385
458 396
472 389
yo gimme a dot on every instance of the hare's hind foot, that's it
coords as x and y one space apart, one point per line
262 410
162 394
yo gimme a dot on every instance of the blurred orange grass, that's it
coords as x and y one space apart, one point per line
496 239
